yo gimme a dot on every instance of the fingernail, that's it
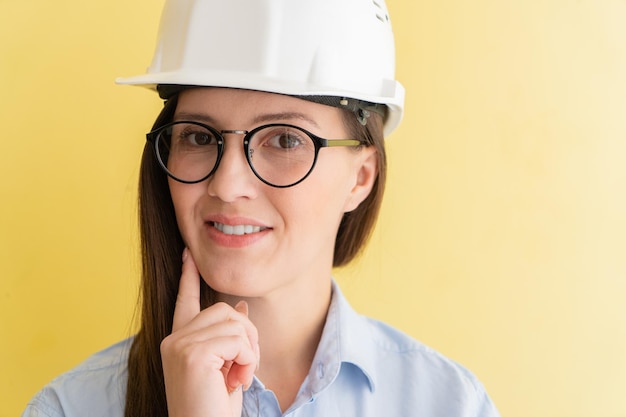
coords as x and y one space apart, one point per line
185 254
242 307
235 390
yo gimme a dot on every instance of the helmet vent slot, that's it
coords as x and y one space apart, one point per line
381 12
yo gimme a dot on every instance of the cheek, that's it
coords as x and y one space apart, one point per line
323 196
338 178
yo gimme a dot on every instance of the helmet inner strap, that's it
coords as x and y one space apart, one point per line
362 109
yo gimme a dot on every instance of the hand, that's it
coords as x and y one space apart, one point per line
210 354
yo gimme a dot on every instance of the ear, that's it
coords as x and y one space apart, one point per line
366 172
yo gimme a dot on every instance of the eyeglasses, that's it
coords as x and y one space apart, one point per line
280 155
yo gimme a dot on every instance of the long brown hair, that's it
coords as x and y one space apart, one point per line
162 246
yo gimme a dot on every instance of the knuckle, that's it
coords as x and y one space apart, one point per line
222 307
167 344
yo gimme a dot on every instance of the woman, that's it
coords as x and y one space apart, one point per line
244 213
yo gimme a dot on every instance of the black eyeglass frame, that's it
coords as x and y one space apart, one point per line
318 142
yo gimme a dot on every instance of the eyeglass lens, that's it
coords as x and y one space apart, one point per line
280 155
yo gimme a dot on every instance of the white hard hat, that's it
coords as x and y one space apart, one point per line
336 48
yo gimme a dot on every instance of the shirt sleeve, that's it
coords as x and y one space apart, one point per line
484 406
44 404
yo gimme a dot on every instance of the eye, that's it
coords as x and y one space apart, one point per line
285 139
198 137
191 135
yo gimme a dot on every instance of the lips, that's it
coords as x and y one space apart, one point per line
239 229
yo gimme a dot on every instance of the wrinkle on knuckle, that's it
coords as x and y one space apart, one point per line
191 356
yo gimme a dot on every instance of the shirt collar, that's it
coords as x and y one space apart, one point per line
346 339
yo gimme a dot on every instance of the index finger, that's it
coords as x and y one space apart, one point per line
188 298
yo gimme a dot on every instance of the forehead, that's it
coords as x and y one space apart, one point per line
246 107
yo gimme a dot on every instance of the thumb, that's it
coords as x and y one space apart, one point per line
188 299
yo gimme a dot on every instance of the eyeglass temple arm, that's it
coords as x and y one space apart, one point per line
329 143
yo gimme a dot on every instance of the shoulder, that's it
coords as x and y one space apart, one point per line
398 346
96 387
390 340
432 380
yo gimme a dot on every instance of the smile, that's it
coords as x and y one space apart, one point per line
238 230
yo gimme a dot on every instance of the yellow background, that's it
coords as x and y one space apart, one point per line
502 241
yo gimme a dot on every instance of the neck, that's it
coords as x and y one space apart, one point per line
290 326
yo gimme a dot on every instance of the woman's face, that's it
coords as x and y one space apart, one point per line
289 233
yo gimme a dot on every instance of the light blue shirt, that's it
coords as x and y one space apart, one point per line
362 368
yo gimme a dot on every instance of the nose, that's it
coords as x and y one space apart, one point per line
233 178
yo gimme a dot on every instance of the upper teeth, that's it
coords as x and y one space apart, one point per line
240 229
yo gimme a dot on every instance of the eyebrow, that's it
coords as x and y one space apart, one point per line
194 117
273 117
262 118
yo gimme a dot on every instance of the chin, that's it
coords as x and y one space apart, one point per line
236 286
